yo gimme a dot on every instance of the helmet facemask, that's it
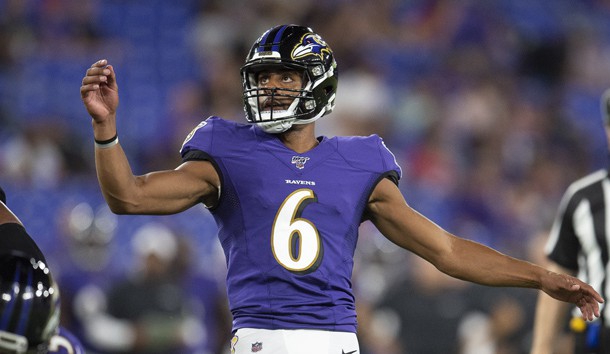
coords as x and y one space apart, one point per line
276 109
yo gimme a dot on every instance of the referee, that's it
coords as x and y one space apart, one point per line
579 243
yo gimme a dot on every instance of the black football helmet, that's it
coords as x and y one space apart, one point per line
29 304
290 47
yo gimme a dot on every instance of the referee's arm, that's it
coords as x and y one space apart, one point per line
550 317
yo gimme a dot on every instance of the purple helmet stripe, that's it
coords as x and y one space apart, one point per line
261 45
278 37
275 33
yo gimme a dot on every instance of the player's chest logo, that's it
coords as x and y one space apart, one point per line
299 161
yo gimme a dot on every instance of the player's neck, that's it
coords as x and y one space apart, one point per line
300 138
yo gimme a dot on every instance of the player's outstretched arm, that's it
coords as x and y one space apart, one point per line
162 192
570 289
468 260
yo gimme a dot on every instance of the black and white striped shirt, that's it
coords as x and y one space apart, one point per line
579 236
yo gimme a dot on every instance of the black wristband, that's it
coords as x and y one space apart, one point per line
104 144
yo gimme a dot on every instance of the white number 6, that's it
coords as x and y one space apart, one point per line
295 241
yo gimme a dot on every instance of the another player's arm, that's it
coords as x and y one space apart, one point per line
162 192
550 318
13 235
465 259
6 215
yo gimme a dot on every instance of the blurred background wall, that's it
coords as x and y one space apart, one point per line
491 107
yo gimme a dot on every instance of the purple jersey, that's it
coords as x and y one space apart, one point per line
65 343
288 222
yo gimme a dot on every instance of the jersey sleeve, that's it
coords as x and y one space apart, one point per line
216 138
370 153
394 172
199 142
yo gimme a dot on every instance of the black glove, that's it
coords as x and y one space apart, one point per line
2 196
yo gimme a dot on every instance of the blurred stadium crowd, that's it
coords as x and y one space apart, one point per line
492 108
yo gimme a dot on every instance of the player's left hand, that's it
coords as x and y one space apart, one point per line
570 289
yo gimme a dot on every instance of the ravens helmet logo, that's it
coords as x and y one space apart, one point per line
311 44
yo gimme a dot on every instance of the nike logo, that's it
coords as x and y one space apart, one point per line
352 352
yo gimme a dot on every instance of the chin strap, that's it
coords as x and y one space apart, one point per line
276 127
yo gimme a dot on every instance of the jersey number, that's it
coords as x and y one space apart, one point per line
295 241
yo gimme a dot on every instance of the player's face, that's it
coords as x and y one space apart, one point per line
284 82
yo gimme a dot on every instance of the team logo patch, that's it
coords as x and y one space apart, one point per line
192 133
299 161
311 44
257 347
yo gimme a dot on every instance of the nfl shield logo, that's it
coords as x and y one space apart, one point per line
299 161
257 347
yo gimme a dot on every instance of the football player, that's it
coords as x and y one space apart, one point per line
29 297
289 203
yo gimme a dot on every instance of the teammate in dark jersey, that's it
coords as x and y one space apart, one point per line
288 204
29 298
578 244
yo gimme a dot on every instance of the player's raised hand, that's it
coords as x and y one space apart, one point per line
99 91
570 289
